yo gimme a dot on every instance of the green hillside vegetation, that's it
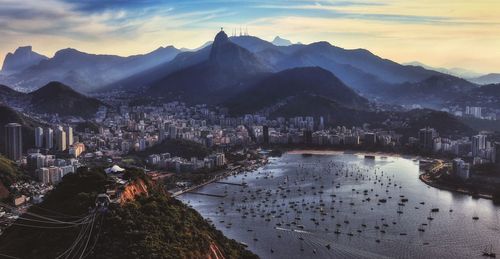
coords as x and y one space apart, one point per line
8 171
156 226
8 175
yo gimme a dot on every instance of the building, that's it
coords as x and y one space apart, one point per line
69 136
370 139
478 144
43 175
77 149
461 169
496 156
13 141
49 138
265 134
60 139
307 135
426 138
38 137
475 112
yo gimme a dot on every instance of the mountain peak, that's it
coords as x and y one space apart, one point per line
278 41
23 49
55 87
221 37
220 40
67 52
56 97
21 59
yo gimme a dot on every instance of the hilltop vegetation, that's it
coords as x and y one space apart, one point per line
8 175
156 226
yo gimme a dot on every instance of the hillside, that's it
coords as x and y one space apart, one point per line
493 78
444 123
58 98
10 96
8 174
484 96
333 114
295 82
431 92
155 226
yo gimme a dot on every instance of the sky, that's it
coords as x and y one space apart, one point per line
440 33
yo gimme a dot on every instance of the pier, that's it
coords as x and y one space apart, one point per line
208 194
228 183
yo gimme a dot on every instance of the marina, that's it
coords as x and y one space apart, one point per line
347 205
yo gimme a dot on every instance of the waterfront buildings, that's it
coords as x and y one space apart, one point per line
426 138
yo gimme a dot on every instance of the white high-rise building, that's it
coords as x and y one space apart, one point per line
69 136
60 139
38 137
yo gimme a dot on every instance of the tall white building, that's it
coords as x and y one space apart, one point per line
69 136
60 139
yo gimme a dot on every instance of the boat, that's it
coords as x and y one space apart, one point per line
370 157
489 252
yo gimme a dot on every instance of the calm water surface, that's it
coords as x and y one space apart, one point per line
332 206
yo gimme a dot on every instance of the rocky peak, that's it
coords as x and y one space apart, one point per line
21 59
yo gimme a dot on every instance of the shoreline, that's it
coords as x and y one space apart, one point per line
425 179
352 152
222 175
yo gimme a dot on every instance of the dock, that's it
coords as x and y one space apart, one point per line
208 194
228 183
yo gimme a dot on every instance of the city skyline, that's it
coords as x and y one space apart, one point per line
437 34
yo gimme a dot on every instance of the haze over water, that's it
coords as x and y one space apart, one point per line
284 213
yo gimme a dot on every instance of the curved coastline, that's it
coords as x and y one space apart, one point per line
425 179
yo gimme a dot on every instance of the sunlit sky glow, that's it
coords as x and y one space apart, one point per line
447 33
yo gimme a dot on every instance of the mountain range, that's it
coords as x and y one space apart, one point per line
493 78
229 67
86 72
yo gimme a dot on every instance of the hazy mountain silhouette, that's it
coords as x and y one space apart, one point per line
21 59
228 69
493 78
86 72
278 41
